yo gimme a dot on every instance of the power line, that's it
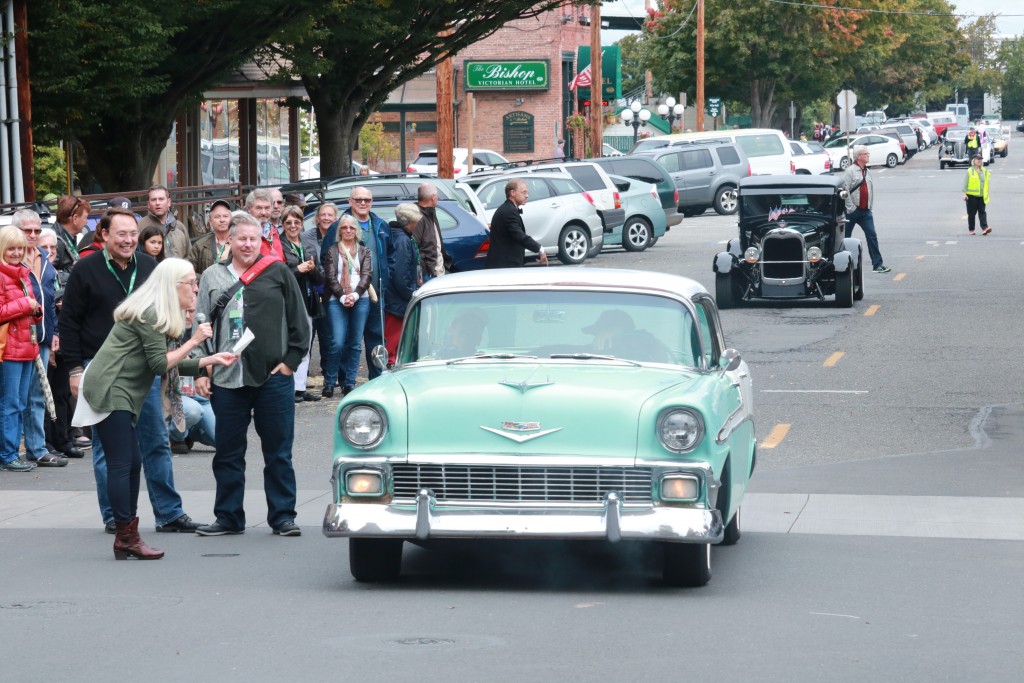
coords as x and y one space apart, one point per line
929 13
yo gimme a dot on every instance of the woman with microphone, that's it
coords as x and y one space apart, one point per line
141 346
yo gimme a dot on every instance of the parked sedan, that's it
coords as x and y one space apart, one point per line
884 150
810 158
645 219
426 161
525 404
559 213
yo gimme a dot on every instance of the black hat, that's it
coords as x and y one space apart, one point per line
119 203
222 202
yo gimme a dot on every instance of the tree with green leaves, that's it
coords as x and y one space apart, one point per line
634 68
1011 56
353 53
114 74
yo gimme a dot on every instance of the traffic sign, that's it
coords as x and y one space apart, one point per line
714 106
847 101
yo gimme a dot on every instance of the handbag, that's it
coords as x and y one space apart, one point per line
373 294
3 340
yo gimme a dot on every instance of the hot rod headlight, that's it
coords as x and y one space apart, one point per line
680 430
752 255
362 425
814 254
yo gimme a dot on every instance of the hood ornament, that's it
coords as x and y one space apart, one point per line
525 386
520 431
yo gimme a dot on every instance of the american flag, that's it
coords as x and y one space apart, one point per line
583 79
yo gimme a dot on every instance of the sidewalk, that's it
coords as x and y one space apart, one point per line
786 513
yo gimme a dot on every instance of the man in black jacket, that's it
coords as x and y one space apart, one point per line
97 285
508 234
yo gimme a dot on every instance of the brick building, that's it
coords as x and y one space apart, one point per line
519 79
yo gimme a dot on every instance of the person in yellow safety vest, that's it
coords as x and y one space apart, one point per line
976 184
973 143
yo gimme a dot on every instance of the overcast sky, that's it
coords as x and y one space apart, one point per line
1010 23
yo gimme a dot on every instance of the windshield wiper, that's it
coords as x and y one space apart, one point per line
593 356
499 356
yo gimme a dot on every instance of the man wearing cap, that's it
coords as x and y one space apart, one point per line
176 241
213 247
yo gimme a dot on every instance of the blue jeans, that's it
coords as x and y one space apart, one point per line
272 406
866 220
15 378
373 336
347 325
34 416
155 447
322 334
200 424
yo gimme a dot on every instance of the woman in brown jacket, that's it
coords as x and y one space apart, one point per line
347 272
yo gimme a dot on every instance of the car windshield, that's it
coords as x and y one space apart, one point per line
572 326
776 205
836 142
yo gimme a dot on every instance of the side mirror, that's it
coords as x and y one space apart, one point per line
380 357
730 360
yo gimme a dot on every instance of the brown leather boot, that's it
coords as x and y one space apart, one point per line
127 542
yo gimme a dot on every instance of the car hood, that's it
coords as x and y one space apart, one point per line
532 409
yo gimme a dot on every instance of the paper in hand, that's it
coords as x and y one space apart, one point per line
244 341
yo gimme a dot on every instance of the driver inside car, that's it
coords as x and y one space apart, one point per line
464 334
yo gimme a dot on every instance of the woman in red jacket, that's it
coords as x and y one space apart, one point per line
20 312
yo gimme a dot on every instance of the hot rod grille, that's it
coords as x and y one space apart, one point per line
481 483
782 249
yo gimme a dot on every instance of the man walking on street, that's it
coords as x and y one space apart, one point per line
509 238
860 194
176 241
976 184
259 388
95 288
427 234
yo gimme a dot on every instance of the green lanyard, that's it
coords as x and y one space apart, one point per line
298 251
131 283
220 249
72 249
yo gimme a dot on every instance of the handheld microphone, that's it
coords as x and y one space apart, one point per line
200 318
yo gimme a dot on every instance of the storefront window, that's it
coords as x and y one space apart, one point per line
271 143
218 144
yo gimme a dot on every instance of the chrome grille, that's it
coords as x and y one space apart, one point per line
489 484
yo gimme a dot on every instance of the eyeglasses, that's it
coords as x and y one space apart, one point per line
194 282
279 202
361 199
32 231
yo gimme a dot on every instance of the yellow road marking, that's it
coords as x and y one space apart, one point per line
899 277
920 258
775 436
833 359
872 309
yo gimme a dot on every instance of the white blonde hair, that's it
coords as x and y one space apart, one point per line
157 297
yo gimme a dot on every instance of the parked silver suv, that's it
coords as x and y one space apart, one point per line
706 173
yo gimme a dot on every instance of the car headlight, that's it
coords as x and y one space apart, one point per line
680 488
359 483
752 255
362 425
814 254
680 430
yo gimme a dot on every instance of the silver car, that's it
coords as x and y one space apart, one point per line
559 213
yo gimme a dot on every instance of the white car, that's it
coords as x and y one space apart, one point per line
931 136
310 169
609 151
810 158
558 213
426 161
885 151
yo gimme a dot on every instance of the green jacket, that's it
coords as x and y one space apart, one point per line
976 184
122 373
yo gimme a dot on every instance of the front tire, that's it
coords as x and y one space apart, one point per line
858 277
891 161
942 165
725 291
687 564
636 234
573 245
844 163
373 560
844 289
727 200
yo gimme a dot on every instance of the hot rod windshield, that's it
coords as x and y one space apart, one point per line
544 324
776 204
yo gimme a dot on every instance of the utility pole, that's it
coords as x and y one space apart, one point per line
597 83
445 117
700 65
24 100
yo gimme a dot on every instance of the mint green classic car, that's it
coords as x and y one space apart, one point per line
548 403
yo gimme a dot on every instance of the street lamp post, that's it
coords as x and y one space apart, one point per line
635 116
670 111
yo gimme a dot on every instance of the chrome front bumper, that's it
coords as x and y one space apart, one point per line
610 522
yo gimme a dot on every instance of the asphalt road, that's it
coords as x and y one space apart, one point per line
912 399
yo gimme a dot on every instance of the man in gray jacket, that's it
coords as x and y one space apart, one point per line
176 240
860 193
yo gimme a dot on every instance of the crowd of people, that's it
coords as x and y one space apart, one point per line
159 317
